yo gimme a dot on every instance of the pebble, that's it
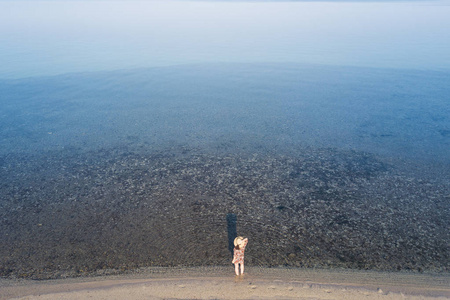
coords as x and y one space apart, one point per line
128 194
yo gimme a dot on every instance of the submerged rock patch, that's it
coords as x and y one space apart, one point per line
72 213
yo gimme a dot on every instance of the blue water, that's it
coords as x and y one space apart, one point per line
322 128
242 107
370 76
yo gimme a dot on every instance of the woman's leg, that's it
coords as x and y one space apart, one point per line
242 268
236 269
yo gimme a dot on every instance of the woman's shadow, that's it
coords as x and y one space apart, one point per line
232 231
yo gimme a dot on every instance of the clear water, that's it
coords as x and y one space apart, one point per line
320 130
237 55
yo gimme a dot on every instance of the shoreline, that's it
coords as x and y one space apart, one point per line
220 283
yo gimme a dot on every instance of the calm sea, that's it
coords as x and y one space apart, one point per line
370 76
131 130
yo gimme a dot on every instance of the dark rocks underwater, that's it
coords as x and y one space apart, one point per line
73 213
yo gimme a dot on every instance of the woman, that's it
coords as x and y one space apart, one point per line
238 257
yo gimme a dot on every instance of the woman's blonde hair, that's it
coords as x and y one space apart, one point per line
236 242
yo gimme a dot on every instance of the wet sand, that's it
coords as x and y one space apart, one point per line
220 283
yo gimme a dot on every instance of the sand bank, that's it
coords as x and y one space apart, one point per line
220 283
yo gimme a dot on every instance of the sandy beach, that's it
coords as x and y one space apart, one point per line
220 283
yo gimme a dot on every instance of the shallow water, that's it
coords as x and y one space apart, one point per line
339 164
277 107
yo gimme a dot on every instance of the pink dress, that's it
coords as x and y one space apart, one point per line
238 257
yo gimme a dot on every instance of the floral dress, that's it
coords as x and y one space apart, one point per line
238 257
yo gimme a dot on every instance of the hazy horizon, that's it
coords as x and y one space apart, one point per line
57 37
